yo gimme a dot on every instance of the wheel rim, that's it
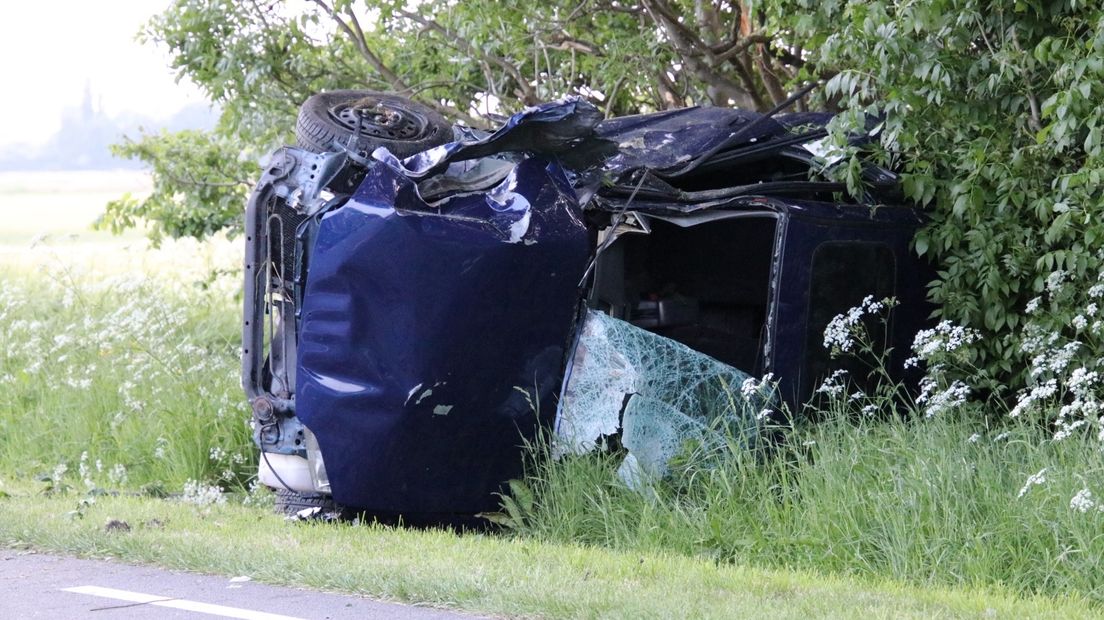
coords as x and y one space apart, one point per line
379 119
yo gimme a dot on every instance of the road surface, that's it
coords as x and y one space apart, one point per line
35 585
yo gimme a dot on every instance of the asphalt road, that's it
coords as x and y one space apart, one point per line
34 585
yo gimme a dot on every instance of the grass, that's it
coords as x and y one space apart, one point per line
120 372
916 501
116 353
120 381
477 572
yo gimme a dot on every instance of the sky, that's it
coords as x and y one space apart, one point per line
50 51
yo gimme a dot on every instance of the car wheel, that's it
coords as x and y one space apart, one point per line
329 120
293 504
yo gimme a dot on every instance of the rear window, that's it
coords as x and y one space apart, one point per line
843 273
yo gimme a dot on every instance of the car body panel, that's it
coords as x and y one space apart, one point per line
432 341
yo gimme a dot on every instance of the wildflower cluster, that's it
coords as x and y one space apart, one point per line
1083 502
848 335
201 494
762 393
847 332
1065 370
940 350
111 381
944 342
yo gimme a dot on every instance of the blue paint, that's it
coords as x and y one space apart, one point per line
432 344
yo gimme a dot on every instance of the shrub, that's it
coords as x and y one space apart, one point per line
990 109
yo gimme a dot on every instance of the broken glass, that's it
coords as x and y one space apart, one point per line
660 395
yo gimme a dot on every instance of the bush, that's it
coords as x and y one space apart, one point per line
991 111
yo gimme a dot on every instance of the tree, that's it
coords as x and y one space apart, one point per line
258 60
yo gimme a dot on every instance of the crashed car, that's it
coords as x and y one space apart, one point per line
423 300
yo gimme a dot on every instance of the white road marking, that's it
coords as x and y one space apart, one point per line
177 603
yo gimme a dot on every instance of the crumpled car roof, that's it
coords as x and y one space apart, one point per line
664 145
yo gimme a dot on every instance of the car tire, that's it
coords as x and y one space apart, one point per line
291 503
327 122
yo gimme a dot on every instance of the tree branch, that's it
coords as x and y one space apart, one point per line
699 58
527 95
397 84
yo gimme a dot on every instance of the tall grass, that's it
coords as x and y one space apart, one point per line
120 381
933 501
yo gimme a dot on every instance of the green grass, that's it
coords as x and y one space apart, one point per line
61 206
916 501
117 353
123 375
477 572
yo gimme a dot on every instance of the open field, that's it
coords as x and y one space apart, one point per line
119 382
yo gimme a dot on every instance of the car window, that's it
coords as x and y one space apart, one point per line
843 273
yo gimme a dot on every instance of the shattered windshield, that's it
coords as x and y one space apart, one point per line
660 395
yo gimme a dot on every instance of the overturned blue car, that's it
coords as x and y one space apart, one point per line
422 300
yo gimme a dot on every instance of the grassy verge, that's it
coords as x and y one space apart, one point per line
938 501
478 573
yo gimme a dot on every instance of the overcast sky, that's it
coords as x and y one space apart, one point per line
50 49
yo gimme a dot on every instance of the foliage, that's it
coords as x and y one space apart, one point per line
927 500
201 181
470 60
987 107
882 486
1065 369
990 110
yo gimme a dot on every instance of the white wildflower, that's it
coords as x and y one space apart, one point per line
85 471
946 337
976 437
118 474
1055 280
1065 430
201 494
937 401
753 388
842 330
1038 478
1079 322
59 472
1083 501
1033 305
1081 380
834 384
1041 392
159 447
